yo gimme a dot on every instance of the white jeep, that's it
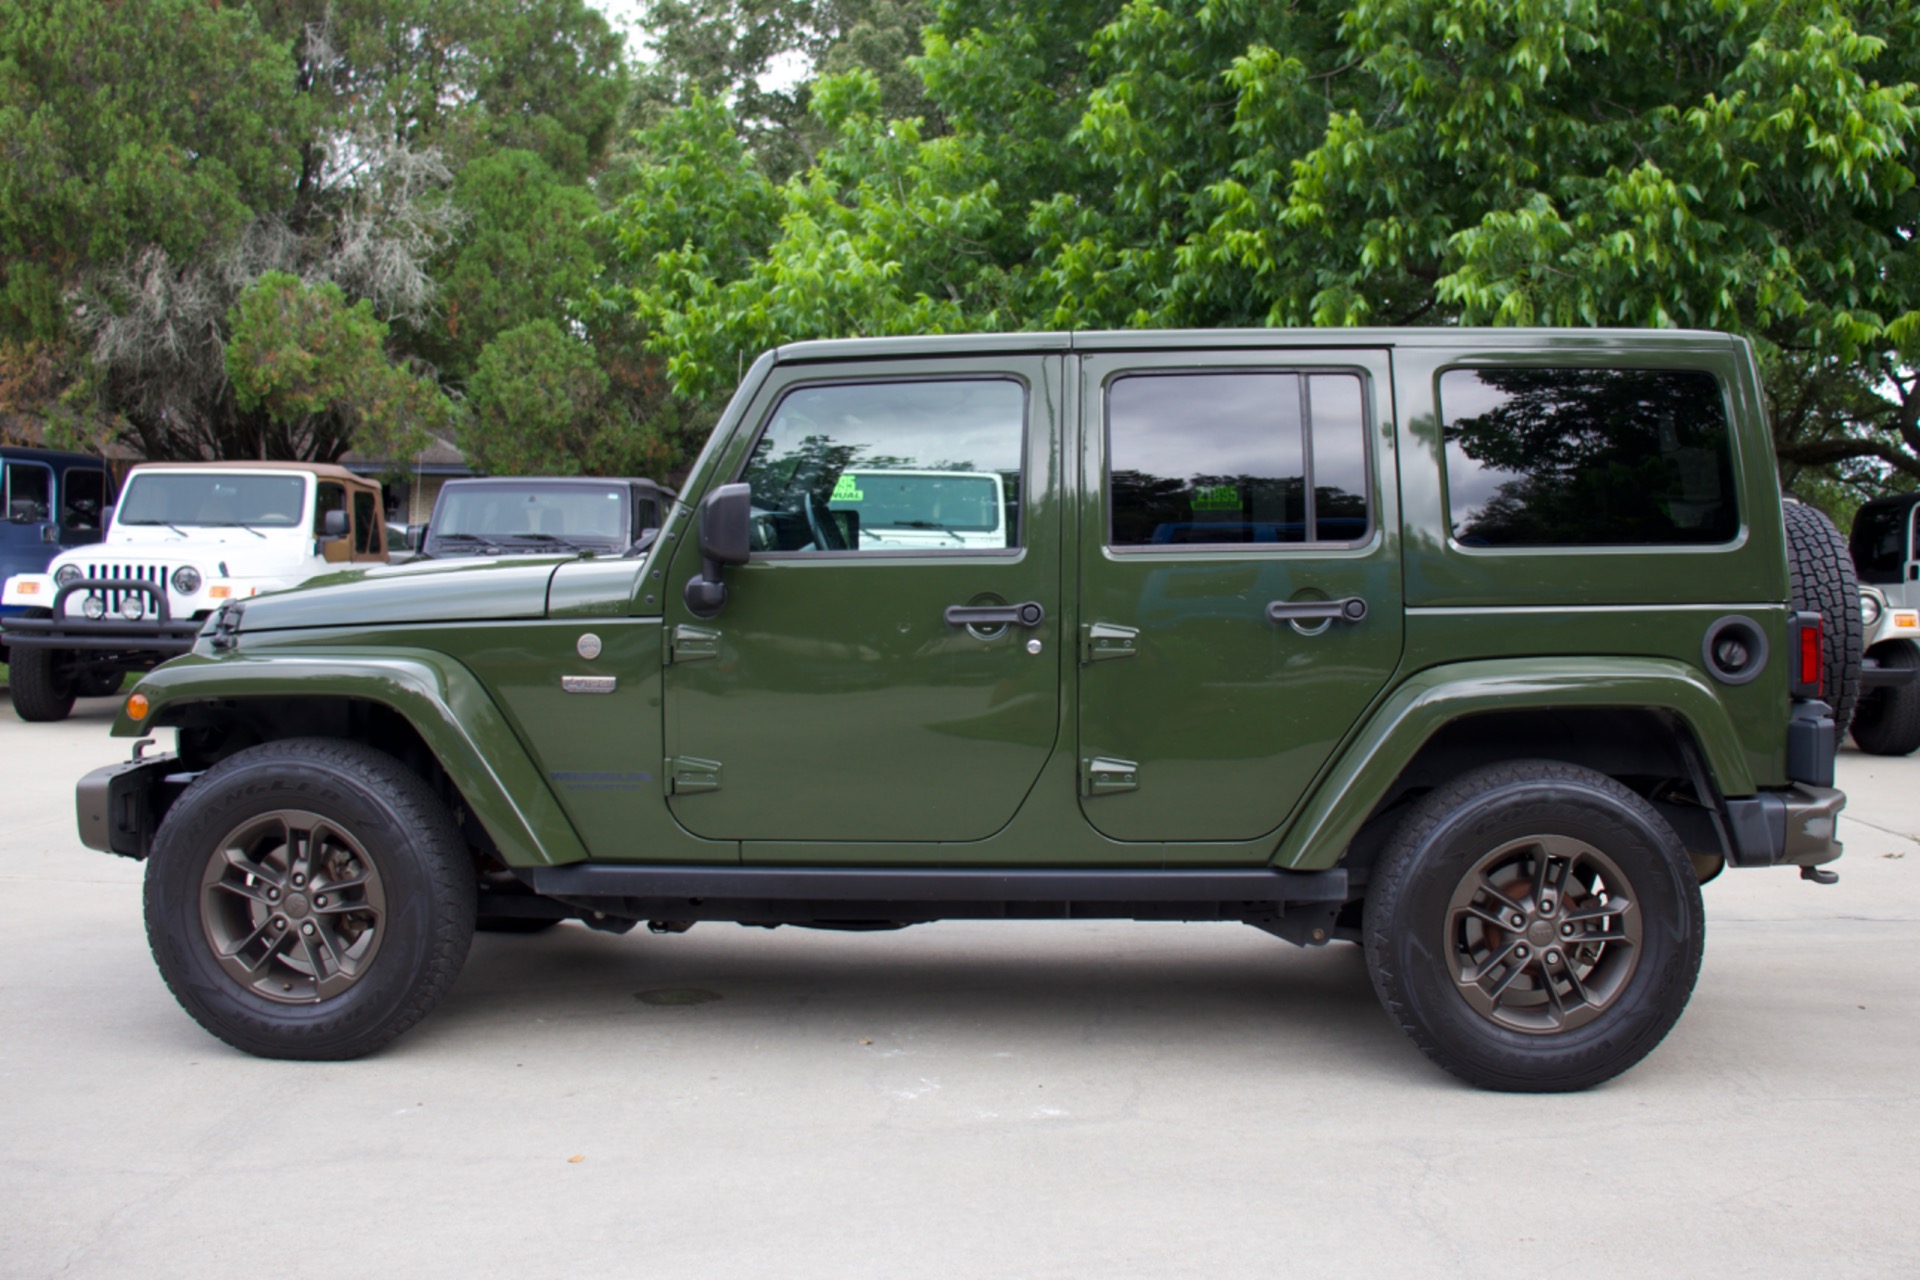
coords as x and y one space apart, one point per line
185 538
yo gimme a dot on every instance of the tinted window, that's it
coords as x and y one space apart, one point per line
1879 543
528 515
366 525
1224 458
82 495
894 466
1587 457
29 492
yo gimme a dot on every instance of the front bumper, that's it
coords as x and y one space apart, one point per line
154 633
1797 827
117 805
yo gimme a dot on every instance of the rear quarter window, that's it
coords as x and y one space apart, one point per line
1559 457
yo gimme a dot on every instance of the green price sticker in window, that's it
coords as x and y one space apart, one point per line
1217 497
846 491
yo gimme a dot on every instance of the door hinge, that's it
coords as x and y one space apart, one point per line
1103 641
692 644
1104 776
689 774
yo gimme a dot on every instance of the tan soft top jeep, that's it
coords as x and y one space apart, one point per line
1475 648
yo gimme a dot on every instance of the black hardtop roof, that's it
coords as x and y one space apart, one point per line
1480 341
507 482
61 457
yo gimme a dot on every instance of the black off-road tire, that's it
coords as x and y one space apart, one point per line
354 795
1822 580
1887 721
42 684
1414 926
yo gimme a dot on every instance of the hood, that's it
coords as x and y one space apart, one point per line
279 554
422 591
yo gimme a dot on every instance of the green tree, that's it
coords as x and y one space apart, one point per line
164 124
1738 164
163 157
542 405
316 369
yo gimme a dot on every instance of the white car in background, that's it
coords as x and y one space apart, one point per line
185 538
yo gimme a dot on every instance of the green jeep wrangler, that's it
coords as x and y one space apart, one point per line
1474 648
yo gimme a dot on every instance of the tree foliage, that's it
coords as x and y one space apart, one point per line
1738 164
543 406
174 166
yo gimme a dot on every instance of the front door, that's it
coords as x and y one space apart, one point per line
834 698
1239 578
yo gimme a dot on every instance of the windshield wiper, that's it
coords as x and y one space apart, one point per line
949 530
234 524
545 540
468 539
176 528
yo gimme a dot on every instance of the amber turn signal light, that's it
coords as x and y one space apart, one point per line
138 706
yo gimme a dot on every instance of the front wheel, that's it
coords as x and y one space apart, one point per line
309 898
1534 927
42 682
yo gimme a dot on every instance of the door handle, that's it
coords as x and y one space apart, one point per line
1030 614
1350 609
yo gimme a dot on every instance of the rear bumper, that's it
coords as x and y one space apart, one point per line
1796 827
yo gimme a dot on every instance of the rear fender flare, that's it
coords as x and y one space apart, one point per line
1400 726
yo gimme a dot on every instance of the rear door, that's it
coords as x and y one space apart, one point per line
1239 581
833 698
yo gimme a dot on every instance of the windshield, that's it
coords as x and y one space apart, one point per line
958 501
532 515
189 498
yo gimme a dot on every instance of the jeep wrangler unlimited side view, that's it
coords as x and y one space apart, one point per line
1475 648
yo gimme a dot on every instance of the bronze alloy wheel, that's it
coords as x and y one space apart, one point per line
309 898
292 906
1543 934
1535 926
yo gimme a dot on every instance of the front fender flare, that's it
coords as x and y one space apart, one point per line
1402 724
443 701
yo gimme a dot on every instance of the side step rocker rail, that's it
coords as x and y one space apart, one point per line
935 886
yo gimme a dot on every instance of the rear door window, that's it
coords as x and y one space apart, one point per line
1214 459
1544 457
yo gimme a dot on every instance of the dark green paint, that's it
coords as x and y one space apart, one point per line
830 715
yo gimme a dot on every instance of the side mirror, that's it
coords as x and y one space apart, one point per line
726 522
333 525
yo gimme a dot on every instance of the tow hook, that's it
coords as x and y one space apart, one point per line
1820 875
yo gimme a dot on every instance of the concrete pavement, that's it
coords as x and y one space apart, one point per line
1030 1100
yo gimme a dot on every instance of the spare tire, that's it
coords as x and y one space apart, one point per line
1822 581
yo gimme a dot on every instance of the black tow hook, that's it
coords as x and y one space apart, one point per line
1820 875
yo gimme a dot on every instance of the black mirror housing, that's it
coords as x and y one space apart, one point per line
726 530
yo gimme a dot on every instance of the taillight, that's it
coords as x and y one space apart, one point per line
1807 632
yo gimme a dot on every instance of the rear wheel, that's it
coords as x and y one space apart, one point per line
309 898
1887 721
1534 927
1821 579
42 682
